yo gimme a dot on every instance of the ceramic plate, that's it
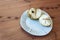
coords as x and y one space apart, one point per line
33 27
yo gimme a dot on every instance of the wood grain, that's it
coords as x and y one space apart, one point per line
10 10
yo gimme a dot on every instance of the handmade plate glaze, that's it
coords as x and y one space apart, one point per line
33 27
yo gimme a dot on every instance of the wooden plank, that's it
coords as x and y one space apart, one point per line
11 11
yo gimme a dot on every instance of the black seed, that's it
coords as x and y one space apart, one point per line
32 11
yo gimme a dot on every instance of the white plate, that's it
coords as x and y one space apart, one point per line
33 27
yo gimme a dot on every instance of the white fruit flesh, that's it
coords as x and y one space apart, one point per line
45 20
38 13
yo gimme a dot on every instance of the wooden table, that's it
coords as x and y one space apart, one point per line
11 11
